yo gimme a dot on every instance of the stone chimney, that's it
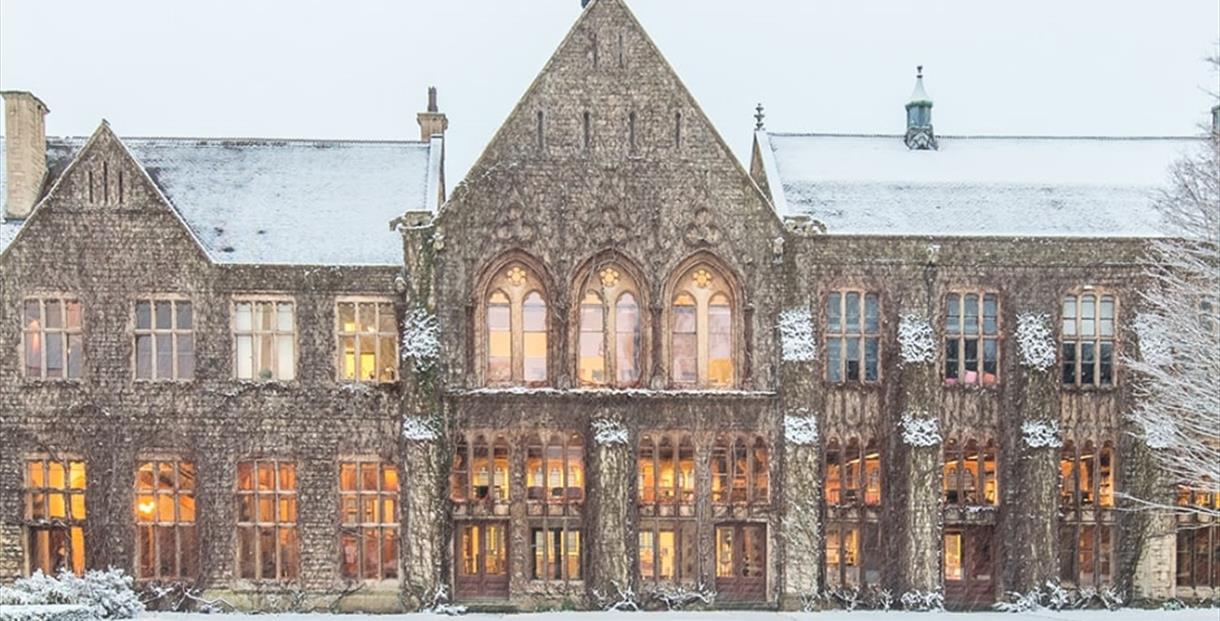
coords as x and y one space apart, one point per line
432 123
919 134
25 152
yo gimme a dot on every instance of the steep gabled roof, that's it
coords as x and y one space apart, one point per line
972 185
283 202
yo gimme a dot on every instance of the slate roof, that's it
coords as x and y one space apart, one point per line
290 202
972 185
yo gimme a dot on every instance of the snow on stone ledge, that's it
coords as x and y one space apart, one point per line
920 429
418 429
1154 346
796 335
420 338
609 431
801 428
916 341
1035 341
1039 434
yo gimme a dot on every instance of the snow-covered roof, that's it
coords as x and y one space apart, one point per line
972 185
294 202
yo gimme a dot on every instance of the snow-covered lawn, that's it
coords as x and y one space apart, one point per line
1195 614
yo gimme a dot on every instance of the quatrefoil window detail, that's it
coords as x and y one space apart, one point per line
609 276
702 278
516 275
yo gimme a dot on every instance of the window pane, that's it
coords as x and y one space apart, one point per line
534 320
164 316
500 338
852 324
285 357
953 319
245 357
834 370
72 314
833 310
853 359
970 312
243 316
1088 316
871 314
1107 364
186 356
1107 316
1069 363
75 355
592 368
54 314
871 349
144 356
951 359
284 317
990 319
1069 316
685 342
185 315
33 314
1087 358
165 356
55 354
627 341
720 342
143 316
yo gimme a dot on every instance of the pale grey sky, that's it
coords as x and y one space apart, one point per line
359 68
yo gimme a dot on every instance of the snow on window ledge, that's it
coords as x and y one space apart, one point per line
418 429
796 335
1035 341
420 338
1039 434
609 431
920 429
801 428
916 341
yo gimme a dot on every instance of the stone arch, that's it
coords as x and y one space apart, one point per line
522 279
587 277
731 290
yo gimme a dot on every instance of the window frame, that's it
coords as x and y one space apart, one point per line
257 524
377 334
176 492
387 529
610 280
961 336
70 524
465 479
687 283
174 333
544 441
234 333
750 441
860 332
685 557
684 497
65 331
517 287
962 448
565 529
1078 340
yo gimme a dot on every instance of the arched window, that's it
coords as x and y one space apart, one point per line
970 475
516 328
555 469
480 469
611 330
1086 498
740 470
702 330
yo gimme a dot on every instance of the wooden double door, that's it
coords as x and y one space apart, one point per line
741 562
482 560
969 566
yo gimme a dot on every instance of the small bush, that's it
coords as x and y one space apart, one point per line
106 594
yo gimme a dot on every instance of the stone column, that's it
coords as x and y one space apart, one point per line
802 523
919 455
424 455
1032 550
610 496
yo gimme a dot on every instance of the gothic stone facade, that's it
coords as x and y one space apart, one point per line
631 388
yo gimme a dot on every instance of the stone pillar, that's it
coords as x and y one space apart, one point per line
1033 516
425 458
611 479
919 456
802 523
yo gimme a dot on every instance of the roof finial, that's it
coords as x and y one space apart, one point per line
919 72
758 117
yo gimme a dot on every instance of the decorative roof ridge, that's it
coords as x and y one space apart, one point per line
264 140
981 136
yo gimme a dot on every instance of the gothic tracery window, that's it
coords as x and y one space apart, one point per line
516 325
701 330
740 470
970 477
609 347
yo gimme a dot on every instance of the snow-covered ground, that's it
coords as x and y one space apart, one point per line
1194 614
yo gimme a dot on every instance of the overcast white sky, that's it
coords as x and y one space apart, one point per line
359 69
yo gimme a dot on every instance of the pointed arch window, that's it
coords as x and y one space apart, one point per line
702 330
516 327
611 330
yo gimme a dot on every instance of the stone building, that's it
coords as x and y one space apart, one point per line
613 363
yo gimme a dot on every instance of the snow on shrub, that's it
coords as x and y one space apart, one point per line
801 428
916 342
609 431
46 612
418 429
923 601
1155 347
920 429
420 338
1035 341
1039 434
105 594
796 335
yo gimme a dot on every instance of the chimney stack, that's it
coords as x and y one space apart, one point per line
1216 119
25 152
433 122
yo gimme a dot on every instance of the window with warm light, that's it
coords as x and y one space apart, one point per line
853 474
55 515
556 554
970 476
555 468
52 338
368 340
264 339
1086 476
609 349
368 520
953 557
167 539
480 469
740 470
1087 338
267 543
972 339
1198 540
667 551
701 330
516 327
164 340
853 336
666 469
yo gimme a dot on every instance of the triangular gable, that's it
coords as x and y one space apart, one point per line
641 75
83 184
